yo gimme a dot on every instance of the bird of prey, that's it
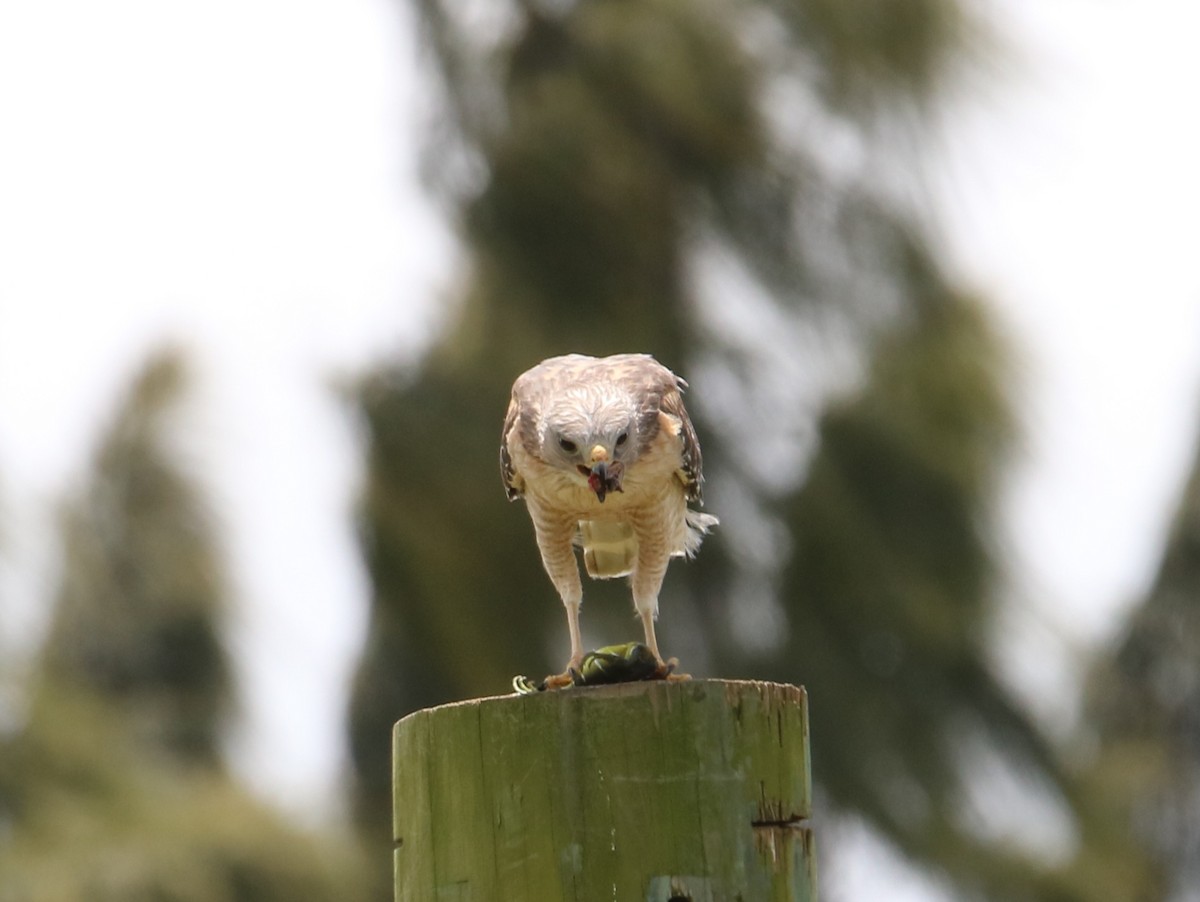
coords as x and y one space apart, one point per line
605 456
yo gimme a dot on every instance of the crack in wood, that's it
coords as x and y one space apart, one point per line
794 821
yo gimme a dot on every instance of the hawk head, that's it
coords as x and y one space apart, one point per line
592 432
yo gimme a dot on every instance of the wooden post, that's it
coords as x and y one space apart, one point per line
692 791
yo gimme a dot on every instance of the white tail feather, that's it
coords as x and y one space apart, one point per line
698 525
609 548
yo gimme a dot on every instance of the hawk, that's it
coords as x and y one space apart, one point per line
605 456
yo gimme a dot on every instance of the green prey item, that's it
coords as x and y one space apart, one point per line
627 663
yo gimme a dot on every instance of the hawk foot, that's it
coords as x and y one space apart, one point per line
523 685
666 671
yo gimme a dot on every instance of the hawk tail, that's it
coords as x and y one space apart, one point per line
698 525
609 548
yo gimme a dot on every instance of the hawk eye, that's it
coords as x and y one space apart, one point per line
622 439
567 445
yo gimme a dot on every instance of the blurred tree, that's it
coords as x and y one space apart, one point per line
727 186
111 782
136 616
888 596
87 814
1144 707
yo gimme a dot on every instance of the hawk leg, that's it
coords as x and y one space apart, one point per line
576 641
648 628
653 555
555 540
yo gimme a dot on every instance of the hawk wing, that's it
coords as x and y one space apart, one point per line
520 424
514 485
690 472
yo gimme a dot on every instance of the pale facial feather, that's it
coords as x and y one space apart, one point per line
587 416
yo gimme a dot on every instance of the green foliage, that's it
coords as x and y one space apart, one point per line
1144 706
111 783
140 593
90 817
887 594
872 54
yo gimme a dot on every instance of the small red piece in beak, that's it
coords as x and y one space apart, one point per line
597 482
604 478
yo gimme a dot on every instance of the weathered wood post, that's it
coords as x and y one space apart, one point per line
657 791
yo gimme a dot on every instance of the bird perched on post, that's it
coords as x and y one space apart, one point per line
605 456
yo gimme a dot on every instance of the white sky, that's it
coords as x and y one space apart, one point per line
1074 204
241 176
